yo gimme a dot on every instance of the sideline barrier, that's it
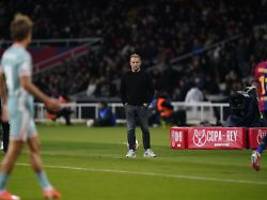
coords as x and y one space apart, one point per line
208 138
205 111
178 137
216 138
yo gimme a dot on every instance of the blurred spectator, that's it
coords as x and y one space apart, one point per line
181 28
194 94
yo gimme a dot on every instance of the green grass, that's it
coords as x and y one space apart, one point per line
89 163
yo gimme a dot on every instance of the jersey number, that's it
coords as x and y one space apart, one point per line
263 81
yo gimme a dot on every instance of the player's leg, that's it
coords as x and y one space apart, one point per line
9 161
131 123
142 114
37 165
143 120
7 166
36 162
48 191
18 132
256 155
262 145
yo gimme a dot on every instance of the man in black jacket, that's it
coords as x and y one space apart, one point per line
3 119
136 93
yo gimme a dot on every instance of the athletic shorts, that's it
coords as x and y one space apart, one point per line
21 113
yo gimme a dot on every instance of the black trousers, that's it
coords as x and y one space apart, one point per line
136 114
4 131
5 135
65 113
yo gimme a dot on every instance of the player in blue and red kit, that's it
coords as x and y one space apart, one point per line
260 78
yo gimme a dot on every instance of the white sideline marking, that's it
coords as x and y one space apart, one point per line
177 176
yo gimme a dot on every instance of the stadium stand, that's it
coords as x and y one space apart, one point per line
161 32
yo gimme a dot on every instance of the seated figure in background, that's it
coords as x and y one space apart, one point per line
105 116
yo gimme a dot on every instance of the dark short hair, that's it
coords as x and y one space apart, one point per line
135 55
20 27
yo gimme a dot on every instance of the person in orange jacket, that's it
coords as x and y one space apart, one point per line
167 113
165 108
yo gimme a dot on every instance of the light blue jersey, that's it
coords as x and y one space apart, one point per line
17 62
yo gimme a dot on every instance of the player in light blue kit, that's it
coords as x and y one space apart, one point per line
16 67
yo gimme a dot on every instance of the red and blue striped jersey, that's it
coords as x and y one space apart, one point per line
260 75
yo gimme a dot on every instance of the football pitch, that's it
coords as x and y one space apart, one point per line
89 163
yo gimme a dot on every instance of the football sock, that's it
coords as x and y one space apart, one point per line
43 180
262 145
3 180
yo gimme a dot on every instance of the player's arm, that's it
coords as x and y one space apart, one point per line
3 96
50 103
3 90
25 81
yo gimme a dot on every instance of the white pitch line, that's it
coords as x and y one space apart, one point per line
176 176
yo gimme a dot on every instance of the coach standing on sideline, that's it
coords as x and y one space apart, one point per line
4 120
136 93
